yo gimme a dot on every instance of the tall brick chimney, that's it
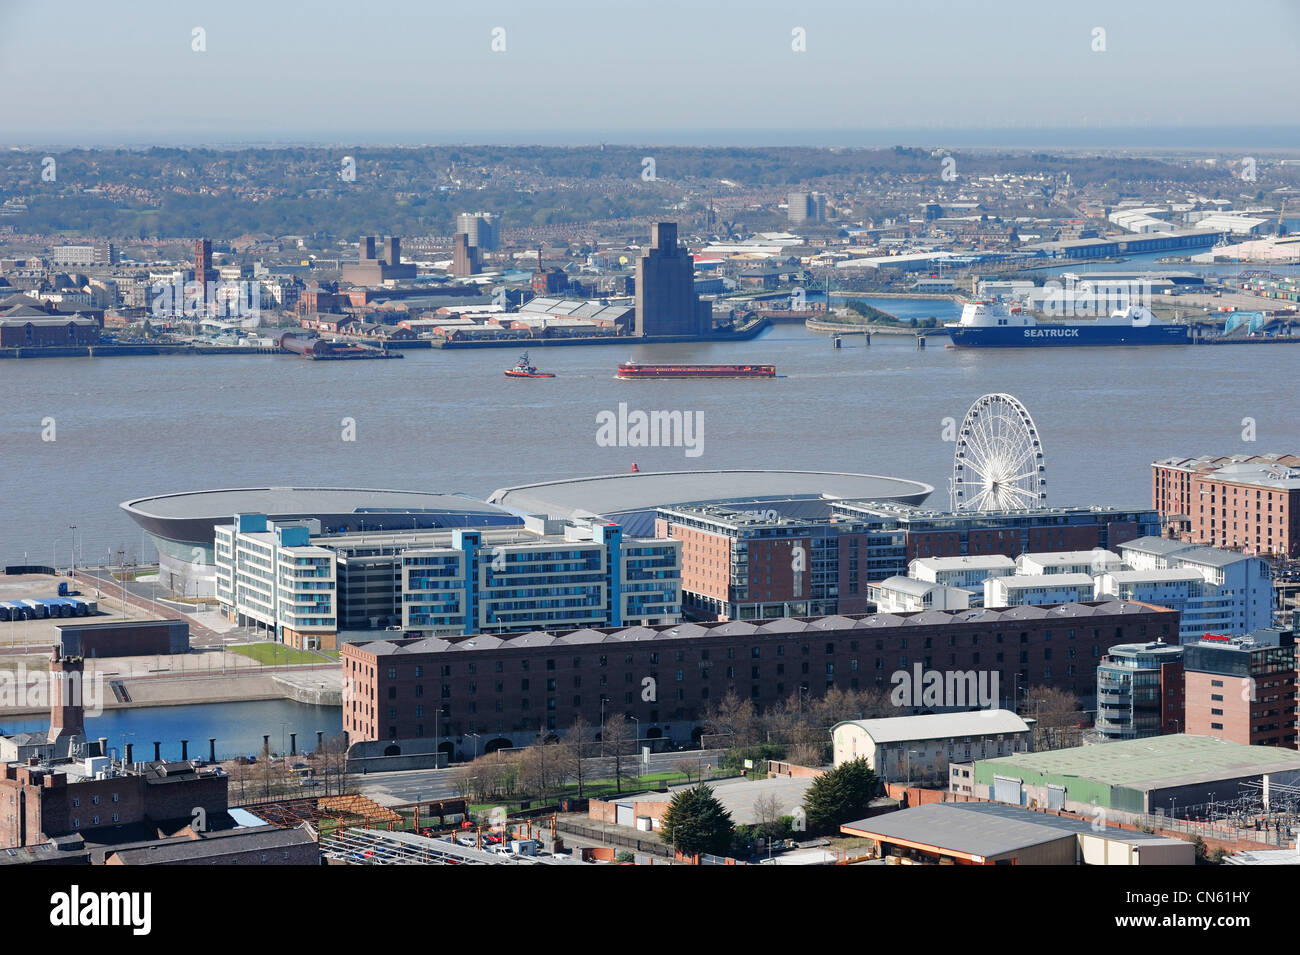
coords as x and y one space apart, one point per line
67 719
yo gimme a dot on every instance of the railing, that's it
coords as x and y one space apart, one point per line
1216 830
628 842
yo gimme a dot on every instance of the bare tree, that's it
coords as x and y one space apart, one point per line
577 747
767 811
333 760
686 767
735 718
1057 716
541 769
618 740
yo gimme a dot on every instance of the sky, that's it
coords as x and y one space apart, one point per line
87 72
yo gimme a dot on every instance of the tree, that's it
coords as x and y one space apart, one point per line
696 822
839 796
617 739
735 718
767 810
1057 714
576 747
541 769
686 767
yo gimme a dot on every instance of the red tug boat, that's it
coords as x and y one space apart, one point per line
524 369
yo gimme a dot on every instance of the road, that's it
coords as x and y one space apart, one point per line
419 784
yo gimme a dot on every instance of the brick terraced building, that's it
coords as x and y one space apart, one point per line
483 692
1249 503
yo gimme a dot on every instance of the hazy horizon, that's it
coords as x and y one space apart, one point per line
578 72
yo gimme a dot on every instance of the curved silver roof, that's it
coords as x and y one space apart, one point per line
639 494
190 515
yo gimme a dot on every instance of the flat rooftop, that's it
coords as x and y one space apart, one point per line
1155 762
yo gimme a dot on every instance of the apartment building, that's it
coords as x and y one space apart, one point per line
1215 590
1249 503
586 576
269 575
1243 689
1140 691
1037 590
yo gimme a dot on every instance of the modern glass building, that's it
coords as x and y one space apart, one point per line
1140 691
585 577
269 575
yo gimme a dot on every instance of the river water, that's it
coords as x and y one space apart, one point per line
450 421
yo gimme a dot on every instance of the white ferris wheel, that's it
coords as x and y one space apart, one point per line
998 463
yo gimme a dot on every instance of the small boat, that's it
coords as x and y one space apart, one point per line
524 369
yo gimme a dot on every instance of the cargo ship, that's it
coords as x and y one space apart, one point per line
995 325
632 369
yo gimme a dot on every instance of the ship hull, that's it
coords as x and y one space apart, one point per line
1048 336
700 371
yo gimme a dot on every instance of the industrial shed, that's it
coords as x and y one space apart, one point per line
961 833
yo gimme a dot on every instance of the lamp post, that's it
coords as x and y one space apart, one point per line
475 735
909 767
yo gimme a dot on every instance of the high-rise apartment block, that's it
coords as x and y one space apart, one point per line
482 230
805 207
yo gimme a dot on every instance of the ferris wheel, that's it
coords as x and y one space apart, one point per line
998 463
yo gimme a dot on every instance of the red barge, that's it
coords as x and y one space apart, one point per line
632 369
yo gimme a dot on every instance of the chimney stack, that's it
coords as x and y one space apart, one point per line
67 709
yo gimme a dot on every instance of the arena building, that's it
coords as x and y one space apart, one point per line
181 525
633 499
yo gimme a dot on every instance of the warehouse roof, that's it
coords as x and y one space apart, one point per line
1155 762
899 729
782 625
985 829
